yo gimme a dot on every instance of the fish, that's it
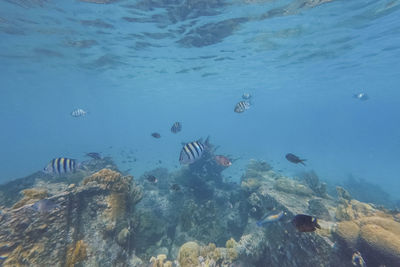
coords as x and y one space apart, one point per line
78 113
305 223
191 152
242 106
361 96
294 159
358 260
94 155
246 96
151 179
175 187
223 161
267 218
61 166
44 206
3 256
176 127
156 135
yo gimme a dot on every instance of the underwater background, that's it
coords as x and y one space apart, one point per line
139 66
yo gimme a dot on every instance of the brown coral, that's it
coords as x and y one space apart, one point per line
348 231
188 254
31 195
111 180
76 253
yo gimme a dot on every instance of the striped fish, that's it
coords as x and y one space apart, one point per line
176 127
242 106
191 152
78 113
61 166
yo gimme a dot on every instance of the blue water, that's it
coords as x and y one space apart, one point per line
149 64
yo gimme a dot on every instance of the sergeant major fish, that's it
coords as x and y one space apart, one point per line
192 151
242 106
61 166
78 113
267 218
176 127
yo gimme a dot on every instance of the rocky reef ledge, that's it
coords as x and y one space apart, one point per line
108 219
88 224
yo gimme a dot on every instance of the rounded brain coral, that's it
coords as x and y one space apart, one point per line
381 241
188 255
348 231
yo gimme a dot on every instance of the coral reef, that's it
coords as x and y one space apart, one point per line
313 182
76 253
106 219
82 223
31 196
292 187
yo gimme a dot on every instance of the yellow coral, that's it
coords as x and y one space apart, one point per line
348 231
111 180
76 253
188 254
231 243
381 241
31 195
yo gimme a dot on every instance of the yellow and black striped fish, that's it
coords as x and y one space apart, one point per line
61 166
191 152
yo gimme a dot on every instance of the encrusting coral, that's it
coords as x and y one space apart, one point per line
76 253
31 195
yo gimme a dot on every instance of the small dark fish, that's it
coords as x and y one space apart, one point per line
294 159
159 161
44 206
270 218
175 187
361 96
242 106
78 113
151 179
61 166
246 96
94 155
223 161
191 152
358 260
156 135
305 223
176 127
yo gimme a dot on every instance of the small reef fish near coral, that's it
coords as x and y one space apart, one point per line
223 161
151 179
305 223
44 206
61 166
358 260
294 159
270 217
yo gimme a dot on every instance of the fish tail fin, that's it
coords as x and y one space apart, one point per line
302 162
207 142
